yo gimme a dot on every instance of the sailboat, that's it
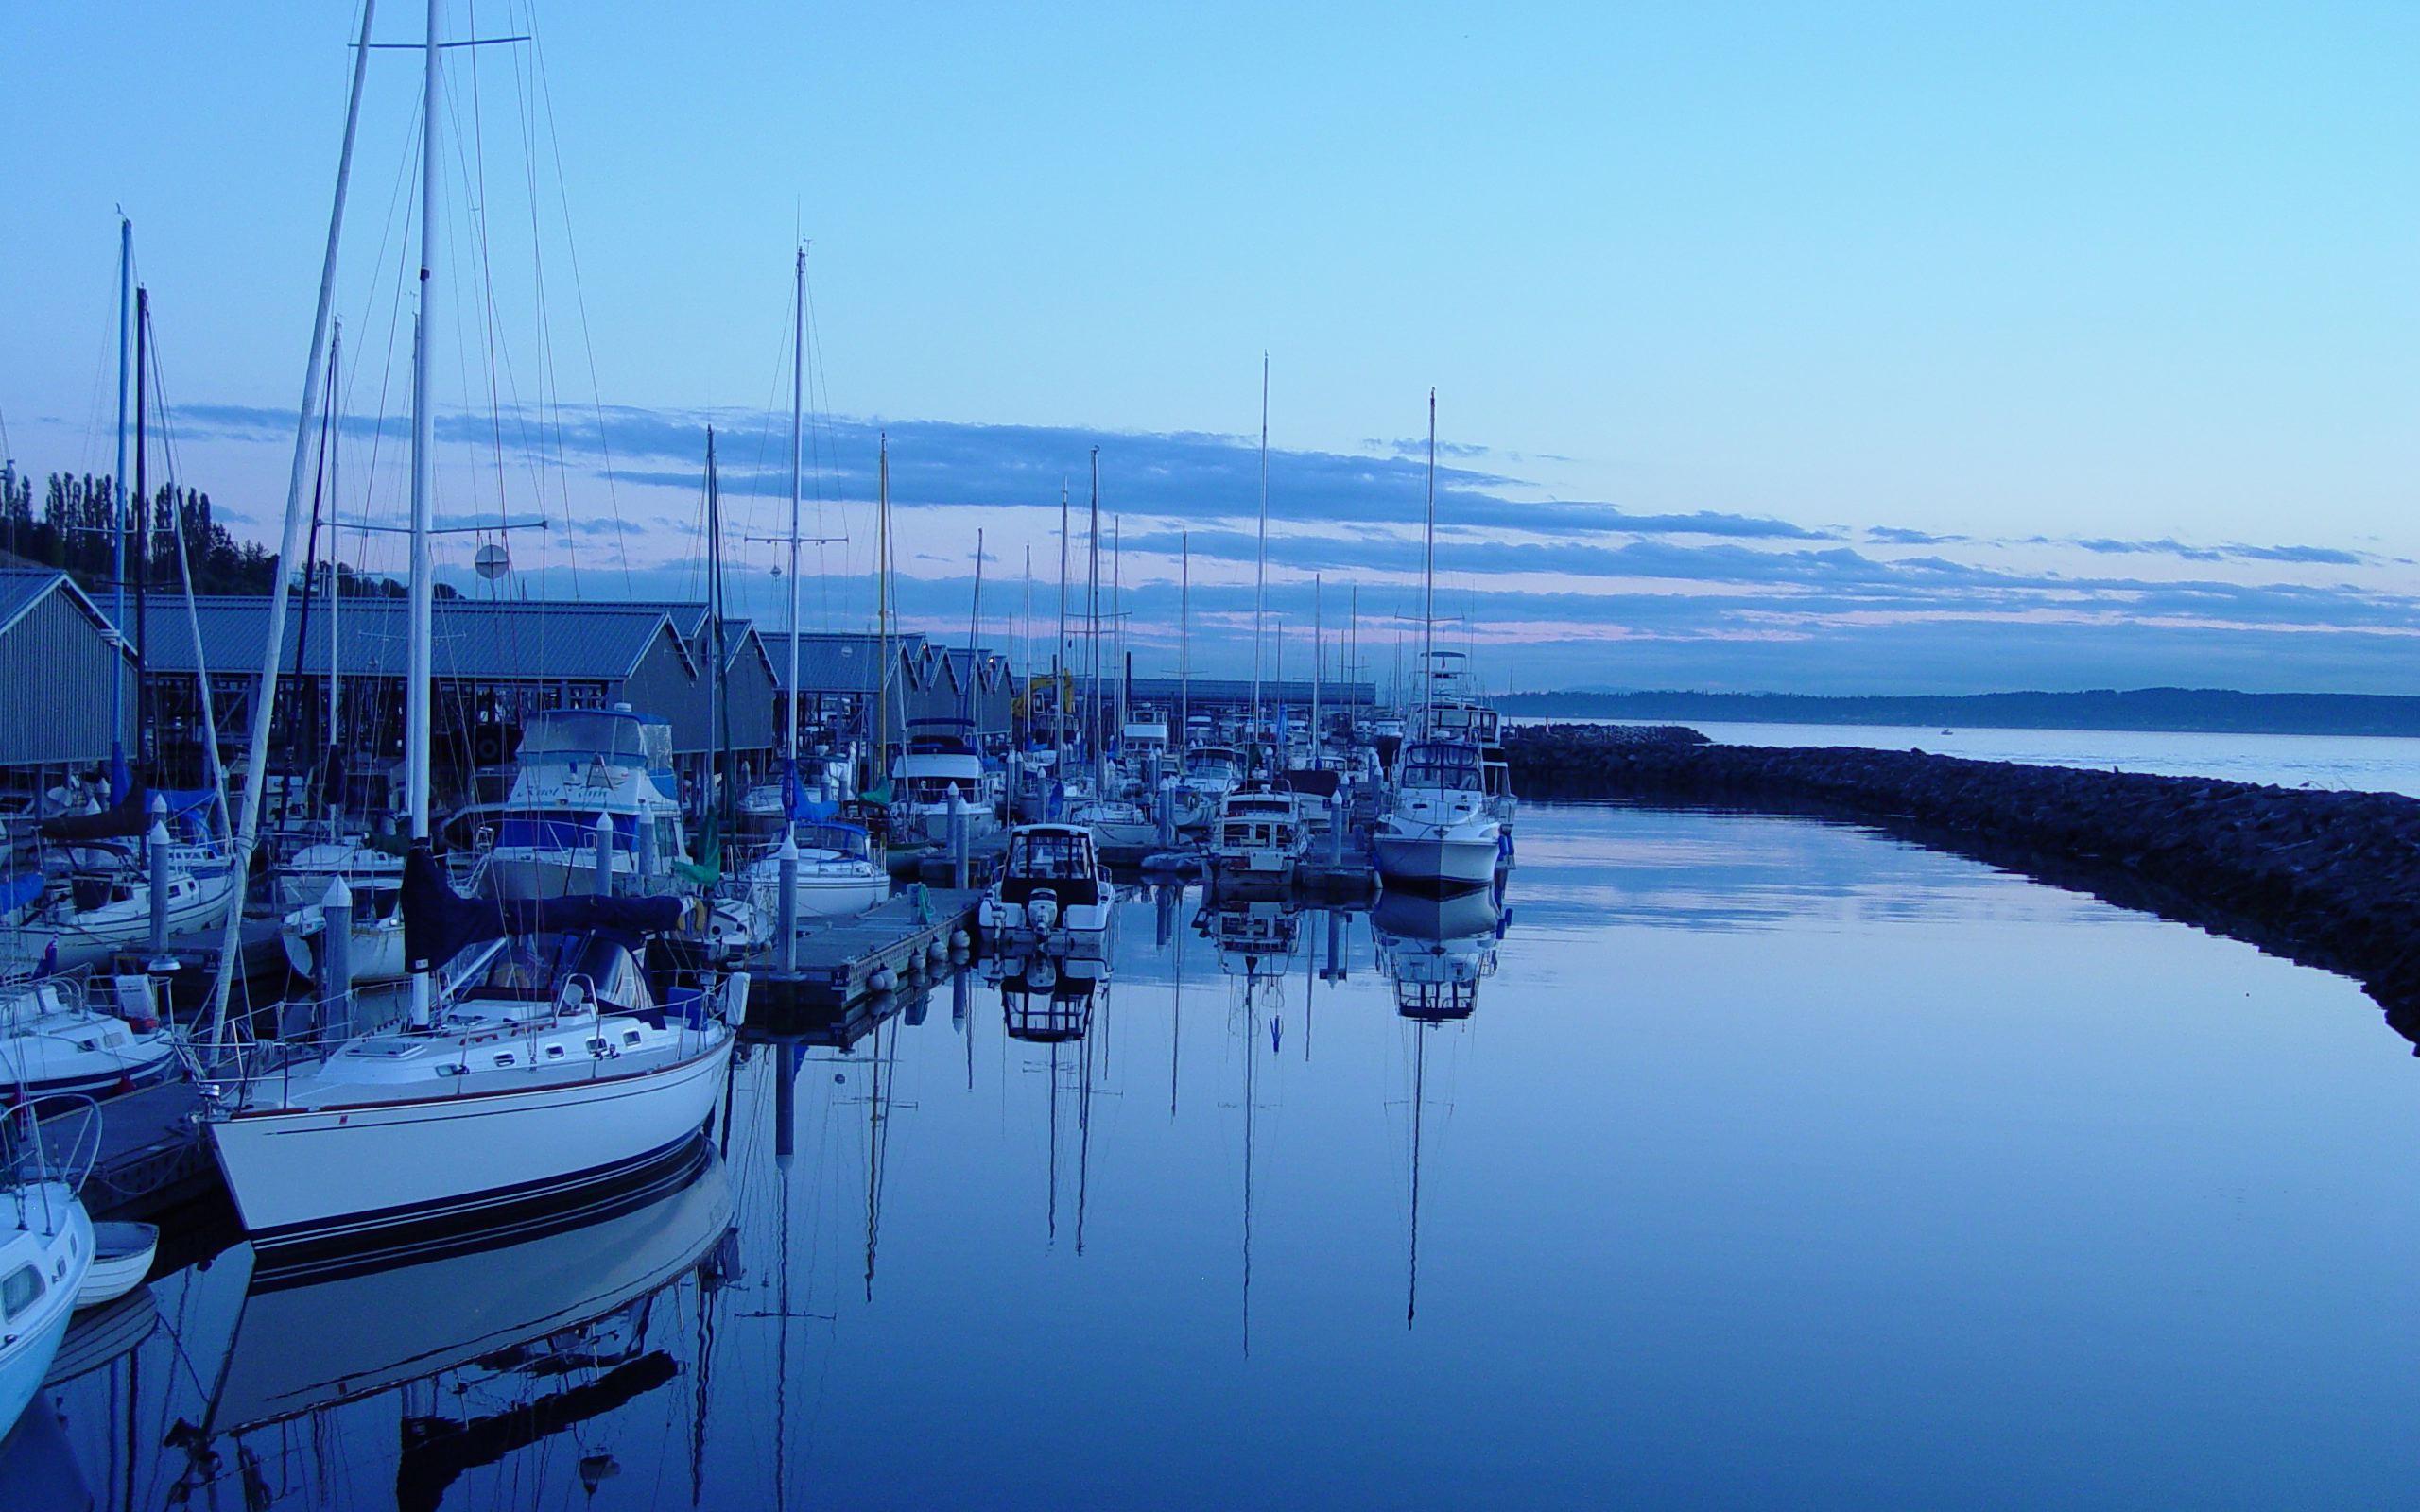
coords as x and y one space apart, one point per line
1443 830
45 1251
552 1073
838 872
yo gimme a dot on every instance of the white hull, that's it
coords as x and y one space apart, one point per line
91 940
122 1255
46 1229
1437 861
824 895
362 1172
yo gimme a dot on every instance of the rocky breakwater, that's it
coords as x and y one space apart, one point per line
2329 879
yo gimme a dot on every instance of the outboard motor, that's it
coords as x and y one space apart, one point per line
1042 908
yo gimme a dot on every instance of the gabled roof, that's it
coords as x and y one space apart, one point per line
830 662
22 587
510 641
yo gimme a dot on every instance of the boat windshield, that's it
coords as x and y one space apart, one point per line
615 736
1453 768
1211 762
1051 854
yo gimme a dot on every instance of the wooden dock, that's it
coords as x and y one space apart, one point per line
855 957
151 1154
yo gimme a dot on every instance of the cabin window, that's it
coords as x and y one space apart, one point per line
554 1052
504 1060
629 1037
22 1289
597 1047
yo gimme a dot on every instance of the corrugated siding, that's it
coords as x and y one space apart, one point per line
54 686
665 685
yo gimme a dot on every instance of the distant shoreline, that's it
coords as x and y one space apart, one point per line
2184 711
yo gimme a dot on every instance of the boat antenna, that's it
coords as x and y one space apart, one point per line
1428 581
1261 582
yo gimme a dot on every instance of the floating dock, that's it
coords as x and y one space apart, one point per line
874 951
151 1156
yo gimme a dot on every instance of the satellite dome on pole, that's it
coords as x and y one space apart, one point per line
494 561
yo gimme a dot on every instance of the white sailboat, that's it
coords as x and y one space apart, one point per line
53 1040
557 1075
46 1253
1441 831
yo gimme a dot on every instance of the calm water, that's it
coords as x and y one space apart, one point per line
2360 762
1775 1164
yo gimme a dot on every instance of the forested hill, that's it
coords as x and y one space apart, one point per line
2179 709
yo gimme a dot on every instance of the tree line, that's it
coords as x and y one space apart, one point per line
76 530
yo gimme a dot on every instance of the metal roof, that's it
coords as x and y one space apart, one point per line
501 642
832 661
20 587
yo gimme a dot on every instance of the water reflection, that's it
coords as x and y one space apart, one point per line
1436 951
457 1361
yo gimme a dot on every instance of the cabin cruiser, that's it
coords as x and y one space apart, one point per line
940 780
1438 833
575 767
53 1040
1453 715
1260 837
824 782
839 874
1054 894
46 1253
558 1074
1436 951
1143 744
1252 937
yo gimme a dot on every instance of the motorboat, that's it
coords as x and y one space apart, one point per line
839 874
1440 833
940 782
1260 837
1054 894
560 1072
1252 937
54 1040
575 768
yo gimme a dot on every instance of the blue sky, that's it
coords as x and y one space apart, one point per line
1840 348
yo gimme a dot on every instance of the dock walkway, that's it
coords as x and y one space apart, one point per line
860 956
151 1156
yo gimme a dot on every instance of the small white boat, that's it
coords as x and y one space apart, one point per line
122 1256
1054 894
45 1248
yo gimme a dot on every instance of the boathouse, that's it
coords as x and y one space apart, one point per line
56 650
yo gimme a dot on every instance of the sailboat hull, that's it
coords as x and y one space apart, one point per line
314 1184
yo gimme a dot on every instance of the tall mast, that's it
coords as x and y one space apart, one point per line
882 620
1183 637
1260 583
264 701
143 743
1059 654
1025 646
1092 637
798 416
122 517
723 754
417 692
1315 671
1118 621
975 634
336 569
1428 579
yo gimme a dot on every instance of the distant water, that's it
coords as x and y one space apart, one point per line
1777 1164
2377 764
